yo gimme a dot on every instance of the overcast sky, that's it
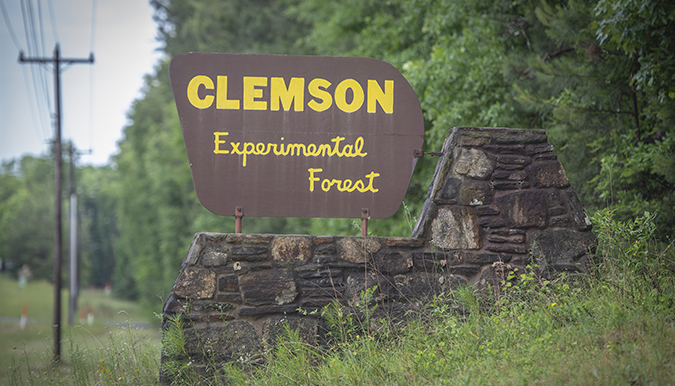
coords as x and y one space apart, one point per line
95 98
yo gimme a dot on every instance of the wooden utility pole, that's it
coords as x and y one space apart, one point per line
57 61
73 237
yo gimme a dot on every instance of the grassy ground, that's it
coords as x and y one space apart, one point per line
26 353
613 326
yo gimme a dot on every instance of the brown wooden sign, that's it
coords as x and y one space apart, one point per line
297 136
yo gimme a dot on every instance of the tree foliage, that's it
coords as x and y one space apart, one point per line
597 75
27 215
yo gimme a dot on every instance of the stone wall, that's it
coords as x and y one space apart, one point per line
498 197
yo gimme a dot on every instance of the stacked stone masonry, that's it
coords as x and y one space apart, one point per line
499 198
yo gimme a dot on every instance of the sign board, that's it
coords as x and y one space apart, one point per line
297 136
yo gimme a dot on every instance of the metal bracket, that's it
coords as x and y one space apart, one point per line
365 215
238 215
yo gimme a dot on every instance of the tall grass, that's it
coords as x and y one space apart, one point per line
126 356
26 354
615 325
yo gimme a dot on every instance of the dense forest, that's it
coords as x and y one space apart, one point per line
597 75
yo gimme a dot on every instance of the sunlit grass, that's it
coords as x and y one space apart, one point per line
28 353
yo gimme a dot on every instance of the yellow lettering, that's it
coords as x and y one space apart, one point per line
249 148
292 147
235 147
294 92
345 185
317 89
341 95
336 149
251 93
193 91
370 177
201 93
326 185
312 179
323 148
218 141
283 150
358 144
221 95
384 98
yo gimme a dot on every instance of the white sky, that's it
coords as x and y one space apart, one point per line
95 97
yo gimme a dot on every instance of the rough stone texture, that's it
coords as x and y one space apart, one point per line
273 286
455 228
576 210
451 189
309 329
548 174
523 209
234 340
214 258
292 249
357 250
393 262
498 200
475 193
474 163
195 284
560 245
228 283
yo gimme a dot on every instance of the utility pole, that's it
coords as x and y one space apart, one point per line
73 238
57 61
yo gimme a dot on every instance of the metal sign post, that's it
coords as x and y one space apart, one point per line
365 216
238 215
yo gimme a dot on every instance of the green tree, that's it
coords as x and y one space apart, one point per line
596 76
236 26
26 216
158 212
97 205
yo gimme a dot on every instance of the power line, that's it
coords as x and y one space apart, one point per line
29 26
42 28
53 23
44 135
41 133
9 26
37 77
38 37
